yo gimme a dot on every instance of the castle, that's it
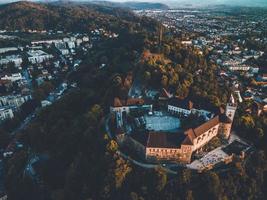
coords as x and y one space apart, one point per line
162 146
179 146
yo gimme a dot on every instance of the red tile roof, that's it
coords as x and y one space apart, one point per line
129 102
165 140
193 133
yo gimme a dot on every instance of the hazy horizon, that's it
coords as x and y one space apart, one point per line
176 3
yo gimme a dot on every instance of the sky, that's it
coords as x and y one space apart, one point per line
258 3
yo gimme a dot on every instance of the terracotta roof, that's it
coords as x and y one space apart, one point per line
193 133
165 140
117 102
129 102
206 126
136 101
187 141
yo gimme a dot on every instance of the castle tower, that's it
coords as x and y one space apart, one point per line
226 119
231 107
225 126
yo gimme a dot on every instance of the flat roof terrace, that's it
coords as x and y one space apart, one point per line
162 123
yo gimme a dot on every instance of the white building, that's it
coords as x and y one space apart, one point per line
85 39
14 100
118 111
79 42
6 113
38 56
182 111
239 68
64 51
45 103
178 110
71 44
16 59
46 41
254 70
12 77
7 49
66 39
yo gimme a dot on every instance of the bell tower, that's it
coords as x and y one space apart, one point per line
231 107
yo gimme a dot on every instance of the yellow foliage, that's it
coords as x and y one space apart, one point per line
112 146
121 170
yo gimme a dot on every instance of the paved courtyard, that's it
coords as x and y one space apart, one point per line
213 157
162 123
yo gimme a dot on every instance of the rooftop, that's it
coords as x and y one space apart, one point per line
193 133
165 140
34 53
127 102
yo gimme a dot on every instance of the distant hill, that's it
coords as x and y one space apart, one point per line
130 4
133 5
63 16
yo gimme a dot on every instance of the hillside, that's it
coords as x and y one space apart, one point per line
63 16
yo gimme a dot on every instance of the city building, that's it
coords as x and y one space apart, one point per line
6 113
122 107
186 107
14 100
38 56
16 59
12 77
8 49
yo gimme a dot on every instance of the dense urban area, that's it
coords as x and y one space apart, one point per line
94 96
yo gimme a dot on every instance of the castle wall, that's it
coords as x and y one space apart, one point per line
205 137
182 155
177 110
163 153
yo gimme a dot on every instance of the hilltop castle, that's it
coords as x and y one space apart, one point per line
179 146
168 147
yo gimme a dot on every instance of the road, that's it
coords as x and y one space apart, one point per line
145 165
